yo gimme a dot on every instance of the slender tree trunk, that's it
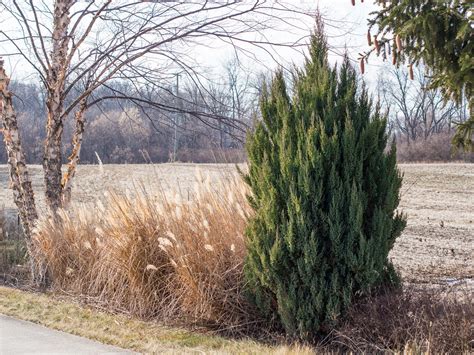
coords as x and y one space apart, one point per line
19 177
75 154
52 160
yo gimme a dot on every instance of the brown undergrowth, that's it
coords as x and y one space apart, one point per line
412 321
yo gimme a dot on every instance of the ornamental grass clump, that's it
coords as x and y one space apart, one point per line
155 255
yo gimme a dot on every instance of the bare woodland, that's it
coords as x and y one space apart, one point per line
417 113
124 132
420 119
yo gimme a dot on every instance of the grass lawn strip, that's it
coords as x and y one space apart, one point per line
121 331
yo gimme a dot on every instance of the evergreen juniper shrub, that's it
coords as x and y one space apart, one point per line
325 192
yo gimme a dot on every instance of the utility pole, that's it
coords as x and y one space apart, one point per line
176 119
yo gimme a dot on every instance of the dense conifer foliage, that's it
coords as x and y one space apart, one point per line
325 192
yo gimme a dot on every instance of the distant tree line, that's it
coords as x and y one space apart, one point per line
207 125
190 125
421 119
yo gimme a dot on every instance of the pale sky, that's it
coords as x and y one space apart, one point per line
346 28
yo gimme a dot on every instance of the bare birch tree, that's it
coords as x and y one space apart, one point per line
77 47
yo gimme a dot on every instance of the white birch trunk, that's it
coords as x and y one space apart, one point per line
20 181
52 160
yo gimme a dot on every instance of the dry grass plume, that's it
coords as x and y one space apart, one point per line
155 255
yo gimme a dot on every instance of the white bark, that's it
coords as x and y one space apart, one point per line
19 177
56 74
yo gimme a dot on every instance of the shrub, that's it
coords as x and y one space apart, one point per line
324 195
415 321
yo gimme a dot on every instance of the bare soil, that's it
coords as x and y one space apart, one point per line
437 247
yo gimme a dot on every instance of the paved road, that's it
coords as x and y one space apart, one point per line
20 337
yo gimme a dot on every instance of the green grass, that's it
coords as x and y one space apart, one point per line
122 331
